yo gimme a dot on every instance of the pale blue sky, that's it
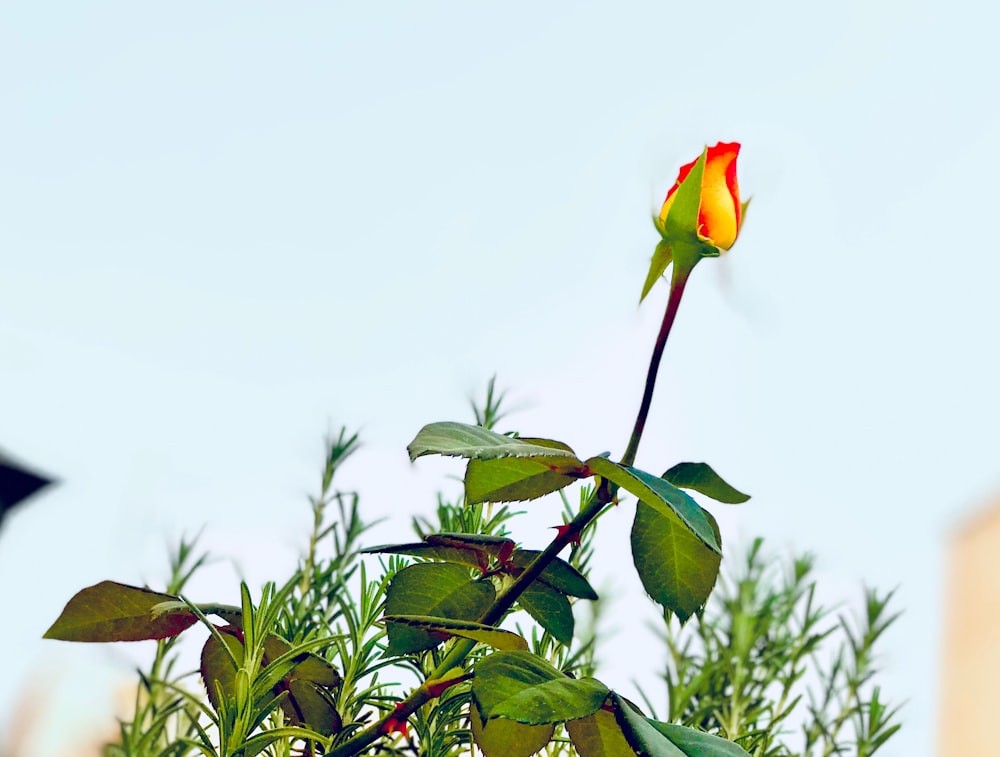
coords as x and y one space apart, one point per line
226 228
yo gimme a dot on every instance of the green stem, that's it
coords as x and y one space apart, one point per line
677 284
602 496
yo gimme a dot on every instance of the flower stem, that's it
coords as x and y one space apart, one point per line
677 283
602 496
493 615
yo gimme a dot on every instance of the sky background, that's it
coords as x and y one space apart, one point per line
228 228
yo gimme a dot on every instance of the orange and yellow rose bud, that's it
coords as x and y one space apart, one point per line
701 216
720 213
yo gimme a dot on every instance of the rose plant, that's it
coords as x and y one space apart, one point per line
276 677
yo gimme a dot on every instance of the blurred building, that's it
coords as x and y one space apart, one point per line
58 717
970 673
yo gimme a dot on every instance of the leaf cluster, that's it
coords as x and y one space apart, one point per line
300 670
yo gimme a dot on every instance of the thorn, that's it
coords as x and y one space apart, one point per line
503 556
396 724
562 530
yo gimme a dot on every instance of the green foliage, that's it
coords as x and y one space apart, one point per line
462 440
437 589
478 632
676 568
500 737
681 223
360 645
661 495
521 686
164 718
111 611
701 477
599 735
303 682
558 574
472 549
518 479
764 657
301 669
639 733
663 256
550 608
696 743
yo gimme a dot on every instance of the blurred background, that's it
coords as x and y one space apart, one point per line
227 229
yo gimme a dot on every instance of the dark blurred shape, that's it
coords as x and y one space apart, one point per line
17 483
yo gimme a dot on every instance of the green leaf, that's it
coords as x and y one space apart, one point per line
495 546
111 611
702 478
218 670
640 734
549 444
524 687
435 589
517 479
501 737
474 550
598 735
697 743
463 440
306 701
681 222
472 557
467 629
486 542
676 568
659 494
308 666
662 257
550 609
312 706
558 573
278 671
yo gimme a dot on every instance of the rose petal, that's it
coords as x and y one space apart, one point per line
719 215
